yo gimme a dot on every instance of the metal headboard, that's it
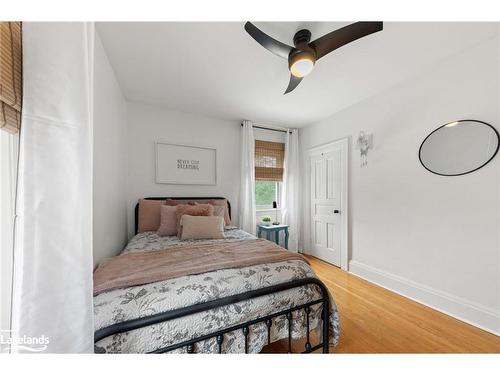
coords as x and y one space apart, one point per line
136 223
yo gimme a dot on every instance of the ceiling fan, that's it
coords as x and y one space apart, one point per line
303 56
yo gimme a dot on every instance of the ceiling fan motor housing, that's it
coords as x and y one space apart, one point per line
302 49
301 37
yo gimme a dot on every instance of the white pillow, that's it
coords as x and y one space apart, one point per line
202 227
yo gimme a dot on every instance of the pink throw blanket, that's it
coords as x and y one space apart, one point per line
148 267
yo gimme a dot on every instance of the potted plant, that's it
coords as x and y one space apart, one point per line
266 220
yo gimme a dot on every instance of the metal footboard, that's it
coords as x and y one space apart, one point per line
219 335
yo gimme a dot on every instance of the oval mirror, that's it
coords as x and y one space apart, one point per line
459 147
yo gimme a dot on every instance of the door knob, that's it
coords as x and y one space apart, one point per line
336 211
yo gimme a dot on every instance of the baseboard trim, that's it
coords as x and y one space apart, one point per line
467 311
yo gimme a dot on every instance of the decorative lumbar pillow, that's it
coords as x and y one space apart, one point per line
168 221
196 210
149 214
202 227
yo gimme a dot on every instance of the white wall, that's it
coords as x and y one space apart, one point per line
110 160
149 124
435 239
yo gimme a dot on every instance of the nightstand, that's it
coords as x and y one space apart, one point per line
276 229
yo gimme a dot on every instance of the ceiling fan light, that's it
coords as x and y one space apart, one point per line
302 67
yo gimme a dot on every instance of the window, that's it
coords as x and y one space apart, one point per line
268 173
266 192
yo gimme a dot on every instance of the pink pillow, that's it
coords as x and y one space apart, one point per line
168 221
187 209
171 202
222 203
149 214
219 211
216 203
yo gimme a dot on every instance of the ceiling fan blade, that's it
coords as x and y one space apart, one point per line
276 47
294 82
338 38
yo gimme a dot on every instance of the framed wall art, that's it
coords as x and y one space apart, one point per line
185 165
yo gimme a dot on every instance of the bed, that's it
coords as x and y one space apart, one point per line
225 310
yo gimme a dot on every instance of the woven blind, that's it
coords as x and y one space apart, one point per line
11 79
269 161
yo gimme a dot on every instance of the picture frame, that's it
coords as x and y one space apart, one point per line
180 164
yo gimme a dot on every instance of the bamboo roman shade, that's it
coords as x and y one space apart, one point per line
269 161
11 79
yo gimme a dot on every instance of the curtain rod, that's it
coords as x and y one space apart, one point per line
271 129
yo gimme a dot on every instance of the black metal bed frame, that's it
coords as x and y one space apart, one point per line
166 316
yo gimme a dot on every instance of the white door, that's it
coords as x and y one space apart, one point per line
326 203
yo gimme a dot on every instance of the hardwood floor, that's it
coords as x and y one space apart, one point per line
376 320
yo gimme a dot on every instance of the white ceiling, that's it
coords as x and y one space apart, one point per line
217 69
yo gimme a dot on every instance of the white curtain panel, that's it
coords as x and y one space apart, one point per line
247 216
53 242
290 204
8 171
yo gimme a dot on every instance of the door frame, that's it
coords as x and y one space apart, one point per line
344 200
